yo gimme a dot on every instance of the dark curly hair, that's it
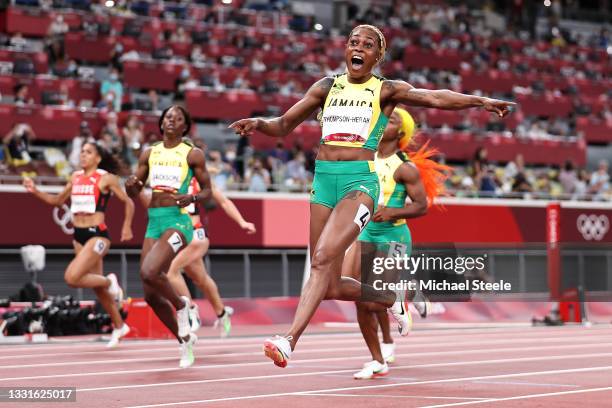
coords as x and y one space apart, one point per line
109 161
185 115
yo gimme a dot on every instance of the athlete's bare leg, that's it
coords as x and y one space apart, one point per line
80 272
326 266
159 294
365 317
85 271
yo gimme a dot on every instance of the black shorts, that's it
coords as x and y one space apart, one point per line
82 235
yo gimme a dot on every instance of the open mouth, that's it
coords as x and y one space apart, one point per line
356 62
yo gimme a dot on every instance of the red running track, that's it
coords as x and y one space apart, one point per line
498 367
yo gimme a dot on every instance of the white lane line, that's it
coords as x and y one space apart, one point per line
429 335
307 351
298 362
528 384
370 387
337 372
393 396
519 397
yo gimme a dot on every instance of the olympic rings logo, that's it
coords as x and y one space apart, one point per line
593 227
64 220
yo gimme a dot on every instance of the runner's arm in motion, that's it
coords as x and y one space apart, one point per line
232 211
52 199
112 182
145 198
400 92
197 162
283 125
407 174
135 183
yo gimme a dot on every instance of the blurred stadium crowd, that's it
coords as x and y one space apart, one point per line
126 60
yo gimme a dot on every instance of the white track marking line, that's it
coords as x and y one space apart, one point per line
295 364
335 390
306 351
414 342
332 372
431 335
392 396
519 397
357 340
529 384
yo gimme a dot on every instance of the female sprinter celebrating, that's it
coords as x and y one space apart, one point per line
402 176
355 109
191 260
89 190
169 165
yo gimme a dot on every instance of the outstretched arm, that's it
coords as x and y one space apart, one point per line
400 92
283 125
113 185
232 211
52 199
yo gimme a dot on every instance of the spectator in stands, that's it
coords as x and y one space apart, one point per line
21 95
65 69
133 137
568 178
180 36
279 152
185 82
117 56
256 177
296 175
480 161
240 82
64 97
77 143
289 88
112 89
487 181
18 42
521 184
220 171
514 167
17 142
112 128
582 185
257 64
213 80
153 98
599 185
197 56
110 142
57 28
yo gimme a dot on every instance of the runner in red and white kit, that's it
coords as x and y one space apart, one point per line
89 190
191 261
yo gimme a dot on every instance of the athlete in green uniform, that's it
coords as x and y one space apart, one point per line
169 166
355 108
404 195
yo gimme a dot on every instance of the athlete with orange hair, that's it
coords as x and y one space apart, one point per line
409 182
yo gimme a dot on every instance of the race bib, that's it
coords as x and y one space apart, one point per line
83 204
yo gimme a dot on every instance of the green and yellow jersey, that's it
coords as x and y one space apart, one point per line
169 170
351 115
